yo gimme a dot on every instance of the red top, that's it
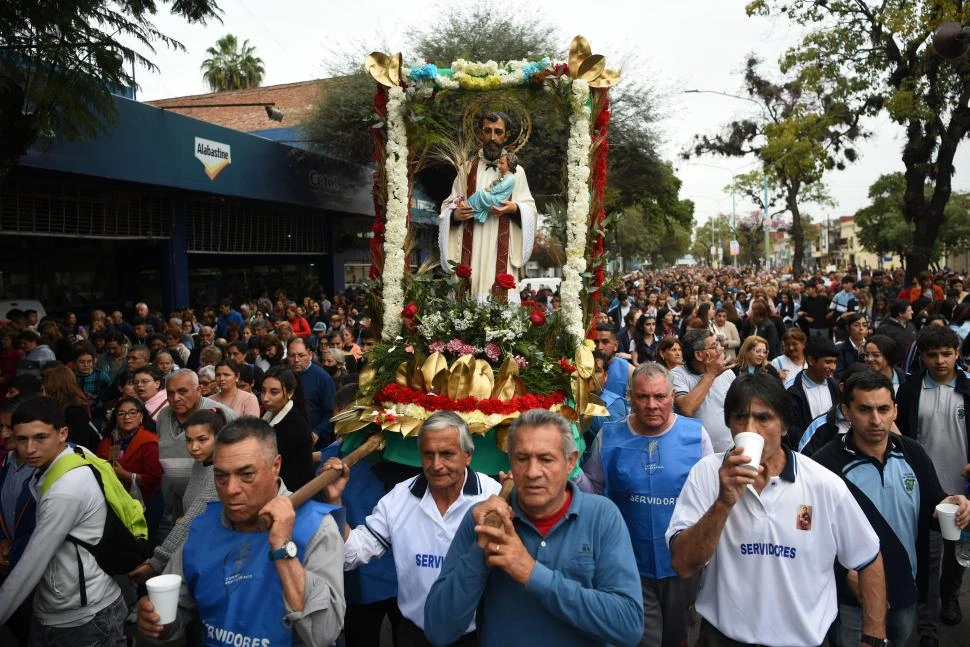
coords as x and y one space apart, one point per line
140 458
545 524
301 327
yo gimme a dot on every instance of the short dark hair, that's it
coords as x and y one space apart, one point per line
247 427
693 340
848 278
867 381
818 348
898 307
605 327
153 372
493 116
39 408
214 419
933 337
767 388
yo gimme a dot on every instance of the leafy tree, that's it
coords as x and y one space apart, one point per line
883 227
800 135
340 124
880 57
232 66
60 61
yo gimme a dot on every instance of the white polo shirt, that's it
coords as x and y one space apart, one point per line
769 560
407 518
711 411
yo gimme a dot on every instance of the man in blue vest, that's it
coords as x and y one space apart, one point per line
641 463
245 585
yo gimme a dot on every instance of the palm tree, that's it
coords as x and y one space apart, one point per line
231 67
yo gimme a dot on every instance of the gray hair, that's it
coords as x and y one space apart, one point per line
207 371
440 420
245 427
694 339
648 371
543 418
182 372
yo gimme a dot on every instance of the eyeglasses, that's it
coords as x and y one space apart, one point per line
128 413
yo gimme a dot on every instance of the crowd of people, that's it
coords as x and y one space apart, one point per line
854 382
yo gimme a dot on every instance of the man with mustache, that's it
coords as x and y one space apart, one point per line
503 243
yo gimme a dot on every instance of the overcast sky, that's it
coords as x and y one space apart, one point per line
677 45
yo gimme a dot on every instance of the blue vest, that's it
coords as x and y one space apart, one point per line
234 582
644 477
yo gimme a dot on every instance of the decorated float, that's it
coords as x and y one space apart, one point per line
486 356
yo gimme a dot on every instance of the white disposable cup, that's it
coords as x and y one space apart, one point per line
163 591
946 513
752 444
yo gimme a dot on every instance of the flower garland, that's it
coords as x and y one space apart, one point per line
601 120
403 395
470 75
396 228
577 210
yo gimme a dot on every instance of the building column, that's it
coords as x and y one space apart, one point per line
175 260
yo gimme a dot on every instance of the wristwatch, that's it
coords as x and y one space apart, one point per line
286 551
875 642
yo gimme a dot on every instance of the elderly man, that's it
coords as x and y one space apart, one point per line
205 339
419 517
700 384
503 243
318 389
641 464
184 398
559 572
894 481
241 596
766 538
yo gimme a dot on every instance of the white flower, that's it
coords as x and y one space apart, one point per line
396 229
577 210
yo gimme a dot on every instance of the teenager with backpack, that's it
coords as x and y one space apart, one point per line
76 602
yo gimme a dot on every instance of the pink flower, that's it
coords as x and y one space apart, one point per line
492 351
458 347
409 349
520 361
436 346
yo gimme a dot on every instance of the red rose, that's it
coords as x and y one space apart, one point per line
537 318
410 310
505 281
566 365
464 271
373 274
378 226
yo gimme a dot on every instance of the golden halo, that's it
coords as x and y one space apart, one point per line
500 102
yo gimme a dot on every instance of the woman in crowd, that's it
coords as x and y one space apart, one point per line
91 381
753 357
200 439
333 362
880 310
60 384
133 452
207 381
665 323
759 323
792 362
301 327
286 413
852 349
353 353
227 378
727 333
669 352
174 344
882 353
786 309
645 341
270 352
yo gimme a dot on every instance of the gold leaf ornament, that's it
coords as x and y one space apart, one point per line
385 69
590 67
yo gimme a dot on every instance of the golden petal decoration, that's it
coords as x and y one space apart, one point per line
403 375
436 365
506 382
502 438
415 364
394 69
366 377
483 379
592 67
376 64
579 49
585 364
460 380
607 79
403 425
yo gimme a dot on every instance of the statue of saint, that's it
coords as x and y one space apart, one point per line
502 243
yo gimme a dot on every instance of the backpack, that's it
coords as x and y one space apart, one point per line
124 541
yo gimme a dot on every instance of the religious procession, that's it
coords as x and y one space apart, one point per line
761 446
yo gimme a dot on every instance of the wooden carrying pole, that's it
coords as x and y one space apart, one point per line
328 476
